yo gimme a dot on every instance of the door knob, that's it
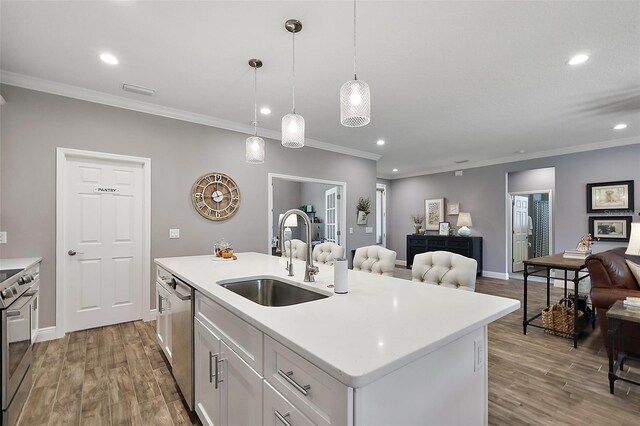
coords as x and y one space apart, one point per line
73 252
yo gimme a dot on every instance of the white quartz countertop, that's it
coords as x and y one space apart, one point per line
19 263
382 324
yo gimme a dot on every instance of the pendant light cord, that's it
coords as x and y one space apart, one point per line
294 71
355 77
255 101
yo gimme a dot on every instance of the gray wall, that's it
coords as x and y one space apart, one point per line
482 191
34 124
538 180
286 196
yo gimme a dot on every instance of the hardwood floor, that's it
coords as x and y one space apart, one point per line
117 375
112 375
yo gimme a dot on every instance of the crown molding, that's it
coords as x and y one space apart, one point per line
613 143
75 92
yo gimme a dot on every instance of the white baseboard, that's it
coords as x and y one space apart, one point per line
497 275
151 316
401 263
46 333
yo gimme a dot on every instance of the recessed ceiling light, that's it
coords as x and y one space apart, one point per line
620 126
380 142
109 59
394 170
578 59
265 111
520 151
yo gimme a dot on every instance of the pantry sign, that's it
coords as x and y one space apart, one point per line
105 190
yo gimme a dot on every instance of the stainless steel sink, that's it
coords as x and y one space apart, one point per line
272 292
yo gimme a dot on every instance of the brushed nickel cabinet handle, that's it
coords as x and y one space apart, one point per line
210 368
282 417
287 376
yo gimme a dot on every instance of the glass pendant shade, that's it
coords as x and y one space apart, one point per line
293 131
255 150
355 104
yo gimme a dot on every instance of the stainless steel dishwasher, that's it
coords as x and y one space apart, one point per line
181 298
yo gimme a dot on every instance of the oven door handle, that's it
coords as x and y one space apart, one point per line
11 313
30 293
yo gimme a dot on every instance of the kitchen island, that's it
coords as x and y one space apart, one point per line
391 351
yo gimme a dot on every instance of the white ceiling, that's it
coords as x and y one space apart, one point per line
450 81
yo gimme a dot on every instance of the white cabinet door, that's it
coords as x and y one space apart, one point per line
207 384
241 390
163 322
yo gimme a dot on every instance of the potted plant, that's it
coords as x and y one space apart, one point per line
363 208
417 219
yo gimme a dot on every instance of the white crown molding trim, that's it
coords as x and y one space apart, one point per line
75 92
46 333
613 143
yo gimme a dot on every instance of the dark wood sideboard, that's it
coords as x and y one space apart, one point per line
466 246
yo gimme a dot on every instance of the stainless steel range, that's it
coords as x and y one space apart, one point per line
18 289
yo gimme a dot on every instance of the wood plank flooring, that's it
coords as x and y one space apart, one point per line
112 375
117 375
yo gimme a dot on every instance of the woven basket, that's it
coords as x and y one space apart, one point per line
558 319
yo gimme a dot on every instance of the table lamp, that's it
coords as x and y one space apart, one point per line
464 221
291 222
634 240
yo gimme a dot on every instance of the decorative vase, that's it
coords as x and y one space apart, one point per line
418 228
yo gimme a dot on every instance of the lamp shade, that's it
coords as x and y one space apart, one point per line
355 104
464 219
293 131
255 150
291 222
634 240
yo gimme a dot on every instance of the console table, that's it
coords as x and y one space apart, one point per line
541 267
466 246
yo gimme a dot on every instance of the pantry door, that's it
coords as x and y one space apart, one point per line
104 235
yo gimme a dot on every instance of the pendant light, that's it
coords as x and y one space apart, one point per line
293 124
255 145
355 96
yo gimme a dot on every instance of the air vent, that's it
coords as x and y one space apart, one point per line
461 161
138 89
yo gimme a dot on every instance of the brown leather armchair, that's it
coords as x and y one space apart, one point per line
611 280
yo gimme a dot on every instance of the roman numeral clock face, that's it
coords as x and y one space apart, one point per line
216 196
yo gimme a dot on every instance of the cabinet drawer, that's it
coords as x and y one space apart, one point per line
243 338
161 272
459 244
326 400
436 244
276 406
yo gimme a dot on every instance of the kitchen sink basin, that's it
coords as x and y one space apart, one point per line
272 292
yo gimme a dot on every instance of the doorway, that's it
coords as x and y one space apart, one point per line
322 200
103 228
531 227
381 214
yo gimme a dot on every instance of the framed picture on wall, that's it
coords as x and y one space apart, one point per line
434 213
443 228
610 228
610 196
453 208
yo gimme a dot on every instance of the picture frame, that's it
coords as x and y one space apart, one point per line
362 218
610 196
433 213
453 208
443 228
610 228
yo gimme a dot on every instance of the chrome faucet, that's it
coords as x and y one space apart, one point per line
309 270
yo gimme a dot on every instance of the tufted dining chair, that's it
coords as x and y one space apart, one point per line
299 248
375 259
445 269
327 253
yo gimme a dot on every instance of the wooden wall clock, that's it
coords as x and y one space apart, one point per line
215 196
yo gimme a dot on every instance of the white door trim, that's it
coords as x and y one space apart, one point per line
62 155
343 209
383 187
